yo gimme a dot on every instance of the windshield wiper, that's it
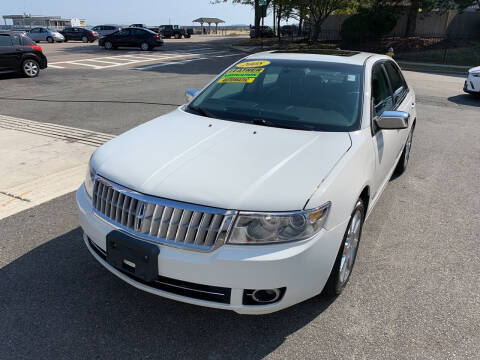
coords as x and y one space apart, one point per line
201 111
264 122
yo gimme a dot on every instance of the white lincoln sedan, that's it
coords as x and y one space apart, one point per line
472 84
252 196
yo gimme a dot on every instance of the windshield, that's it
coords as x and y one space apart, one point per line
305 95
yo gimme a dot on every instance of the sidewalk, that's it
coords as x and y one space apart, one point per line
41 161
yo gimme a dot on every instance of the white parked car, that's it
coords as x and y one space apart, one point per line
252 196
472 84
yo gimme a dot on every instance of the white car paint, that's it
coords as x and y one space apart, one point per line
240 166
472 84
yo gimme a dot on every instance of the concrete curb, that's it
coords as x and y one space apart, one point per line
437 68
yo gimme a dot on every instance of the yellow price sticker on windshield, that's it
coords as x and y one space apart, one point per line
241 80
244 76
255 63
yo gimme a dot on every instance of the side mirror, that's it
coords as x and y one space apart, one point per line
191 93
390 120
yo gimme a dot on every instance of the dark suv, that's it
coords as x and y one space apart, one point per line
18 53
131 37
175 31
77 33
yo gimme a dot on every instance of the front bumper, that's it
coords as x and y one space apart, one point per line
302 267
472 85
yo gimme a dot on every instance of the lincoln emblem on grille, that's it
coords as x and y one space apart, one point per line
139 216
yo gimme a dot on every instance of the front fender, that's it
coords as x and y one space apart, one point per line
346 181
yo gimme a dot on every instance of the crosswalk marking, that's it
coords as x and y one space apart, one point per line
165 58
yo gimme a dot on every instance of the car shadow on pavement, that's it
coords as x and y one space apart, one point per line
466 99
58 302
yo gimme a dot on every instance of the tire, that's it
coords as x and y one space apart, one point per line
188 36
50 39
30 68
342 269
108 45
178 36
84 39
403 161
145 46
66 40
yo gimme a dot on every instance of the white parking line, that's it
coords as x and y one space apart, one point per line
107 62
169 63
111 61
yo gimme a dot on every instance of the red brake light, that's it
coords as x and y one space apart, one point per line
36 47
91 33
156 36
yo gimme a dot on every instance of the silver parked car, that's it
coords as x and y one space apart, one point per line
104 30
45 34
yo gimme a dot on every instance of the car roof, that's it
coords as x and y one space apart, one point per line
326 55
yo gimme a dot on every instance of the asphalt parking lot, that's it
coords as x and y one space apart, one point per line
414 292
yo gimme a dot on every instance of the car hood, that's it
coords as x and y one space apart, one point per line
474 70
220 163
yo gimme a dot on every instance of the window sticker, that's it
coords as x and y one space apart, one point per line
245 76
252 64
351 77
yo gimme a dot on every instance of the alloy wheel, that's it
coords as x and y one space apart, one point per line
30 68
408 146
350 247
144 46
108 45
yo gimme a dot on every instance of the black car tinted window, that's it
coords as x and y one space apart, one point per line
394 74
382 98
124 32
15 39
27 41
5 40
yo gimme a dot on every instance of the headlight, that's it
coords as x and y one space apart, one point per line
89 180
258 228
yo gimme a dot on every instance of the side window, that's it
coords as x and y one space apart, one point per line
397 81
15 39
123 32
35 31
5 40
381 95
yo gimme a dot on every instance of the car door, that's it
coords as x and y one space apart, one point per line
34 34
385 142
8 53
43 34
137 36
122 38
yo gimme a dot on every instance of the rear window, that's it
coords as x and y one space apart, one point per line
5 40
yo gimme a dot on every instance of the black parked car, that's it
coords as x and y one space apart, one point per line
132 37
81 34
18 53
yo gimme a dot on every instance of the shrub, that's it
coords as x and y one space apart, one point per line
368 24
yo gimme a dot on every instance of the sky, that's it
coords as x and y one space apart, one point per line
125 12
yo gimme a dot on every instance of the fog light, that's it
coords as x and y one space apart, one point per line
266 296
262 296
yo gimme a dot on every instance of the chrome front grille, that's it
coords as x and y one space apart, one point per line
161 220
